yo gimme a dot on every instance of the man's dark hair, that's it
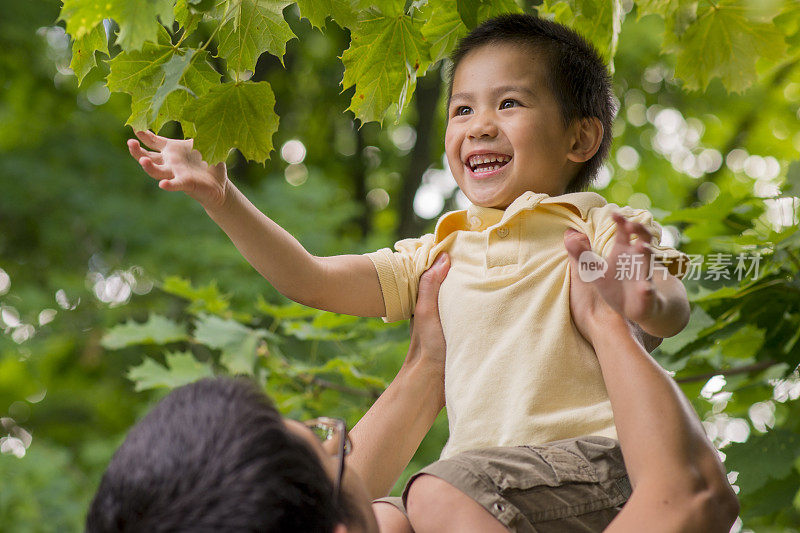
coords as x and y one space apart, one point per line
214 456
576 74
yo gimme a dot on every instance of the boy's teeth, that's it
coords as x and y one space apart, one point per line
483 159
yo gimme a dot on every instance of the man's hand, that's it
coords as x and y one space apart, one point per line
588 308
180 168
628 285
386 438
634 296
426 326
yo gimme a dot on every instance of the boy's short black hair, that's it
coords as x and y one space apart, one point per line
577 75
214 456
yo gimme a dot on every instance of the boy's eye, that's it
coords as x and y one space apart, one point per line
507 101
460 110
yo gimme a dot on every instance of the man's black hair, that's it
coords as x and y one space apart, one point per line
214 456
576 74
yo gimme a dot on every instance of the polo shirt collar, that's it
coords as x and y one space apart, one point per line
477 218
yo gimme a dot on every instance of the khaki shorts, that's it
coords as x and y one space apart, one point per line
563 486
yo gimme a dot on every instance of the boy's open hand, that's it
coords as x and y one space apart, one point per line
627 286
178 167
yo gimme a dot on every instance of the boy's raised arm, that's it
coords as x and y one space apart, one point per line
342 284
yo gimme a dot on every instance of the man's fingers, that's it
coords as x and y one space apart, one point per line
626 228
151 140
155 170
138 152
576 243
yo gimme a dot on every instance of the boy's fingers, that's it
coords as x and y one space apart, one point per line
137 151
170 185
151 140
155 170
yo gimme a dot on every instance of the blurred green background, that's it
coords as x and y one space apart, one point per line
89 242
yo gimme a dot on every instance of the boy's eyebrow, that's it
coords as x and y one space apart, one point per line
496 91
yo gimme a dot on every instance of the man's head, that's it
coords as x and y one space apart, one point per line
534 96
217 456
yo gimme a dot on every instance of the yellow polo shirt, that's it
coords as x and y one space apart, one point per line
517 370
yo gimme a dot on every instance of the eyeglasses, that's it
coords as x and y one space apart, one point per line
333 429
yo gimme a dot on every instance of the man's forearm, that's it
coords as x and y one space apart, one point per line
388 435
672 312
668 456
344 284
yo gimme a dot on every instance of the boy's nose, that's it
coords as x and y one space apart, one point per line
482 125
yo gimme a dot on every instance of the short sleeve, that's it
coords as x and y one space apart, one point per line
399 274
605 229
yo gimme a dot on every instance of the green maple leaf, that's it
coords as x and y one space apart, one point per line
174 71
83 49
182 368
196 81
725 43
493 8
468 12
130 71
789 23
205 298
157 329
220 333
254 27
82 16
599 21
137 20
443 28
386 54
143 73
237 342
187 18
317 11
234 115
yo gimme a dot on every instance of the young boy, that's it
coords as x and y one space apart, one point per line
529 124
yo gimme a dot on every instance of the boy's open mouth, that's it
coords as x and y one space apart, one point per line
483 163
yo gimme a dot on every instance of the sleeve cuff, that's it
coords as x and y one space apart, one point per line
385 265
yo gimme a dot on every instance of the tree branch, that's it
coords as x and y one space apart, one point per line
325 384
755 367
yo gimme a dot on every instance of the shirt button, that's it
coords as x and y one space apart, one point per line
499 507
502 232
474 221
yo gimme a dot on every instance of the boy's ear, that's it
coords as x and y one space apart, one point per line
587 134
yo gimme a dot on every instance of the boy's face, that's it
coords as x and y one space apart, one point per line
502 108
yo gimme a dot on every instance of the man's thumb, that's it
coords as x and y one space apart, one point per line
576 243
431 280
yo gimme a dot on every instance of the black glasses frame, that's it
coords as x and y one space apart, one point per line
334 428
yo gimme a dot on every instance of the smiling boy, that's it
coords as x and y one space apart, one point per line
532 436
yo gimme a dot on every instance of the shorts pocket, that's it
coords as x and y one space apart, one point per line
528 467
552 483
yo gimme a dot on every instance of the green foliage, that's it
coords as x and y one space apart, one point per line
234 114
387 52
252 28
729 44
76 209
83 51
390 46
157 330
181 368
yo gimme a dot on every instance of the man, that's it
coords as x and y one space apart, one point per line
216 456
